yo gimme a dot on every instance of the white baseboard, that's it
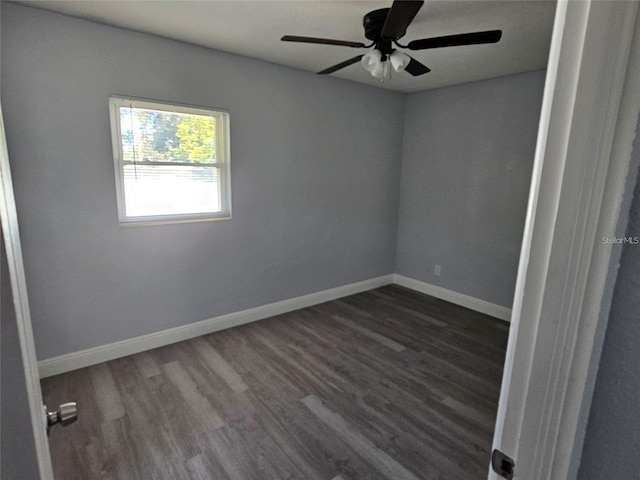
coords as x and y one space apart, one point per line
104 353
473 303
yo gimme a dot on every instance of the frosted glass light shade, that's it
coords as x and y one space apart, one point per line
378 70
371 60
399 60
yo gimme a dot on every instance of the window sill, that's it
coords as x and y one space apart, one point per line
143 222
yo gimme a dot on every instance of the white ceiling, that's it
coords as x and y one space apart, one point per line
253 29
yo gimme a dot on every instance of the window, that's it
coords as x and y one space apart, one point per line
171 162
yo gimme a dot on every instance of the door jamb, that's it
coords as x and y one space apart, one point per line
18 282
582 161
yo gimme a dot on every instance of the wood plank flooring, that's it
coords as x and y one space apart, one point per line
387 384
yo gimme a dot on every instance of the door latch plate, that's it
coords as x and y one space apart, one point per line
502 464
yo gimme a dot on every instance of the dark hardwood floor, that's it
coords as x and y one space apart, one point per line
387 384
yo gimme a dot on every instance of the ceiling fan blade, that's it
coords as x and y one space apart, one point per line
340 65
475 38
400 15
416 68
322 41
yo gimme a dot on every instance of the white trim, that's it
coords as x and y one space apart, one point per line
619 108
482 306
583 147
605 261
104 353
11 231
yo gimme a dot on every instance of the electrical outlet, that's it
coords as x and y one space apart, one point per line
437 270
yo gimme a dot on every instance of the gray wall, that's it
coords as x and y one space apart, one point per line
316 165
467 159
612 440
314 176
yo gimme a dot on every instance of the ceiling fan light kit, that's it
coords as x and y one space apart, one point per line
384 27
380 67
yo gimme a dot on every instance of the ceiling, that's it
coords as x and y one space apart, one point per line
253 28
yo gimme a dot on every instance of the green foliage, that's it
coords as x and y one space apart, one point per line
197 139
154 136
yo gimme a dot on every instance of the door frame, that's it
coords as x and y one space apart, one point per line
565 276
11 233
550 364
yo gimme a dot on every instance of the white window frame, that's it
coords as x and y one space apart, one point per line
223 157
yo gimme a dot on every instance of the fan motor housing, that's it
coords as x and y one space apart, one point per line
373 23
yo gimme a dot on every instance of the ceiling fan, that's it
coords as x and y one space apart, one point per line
384 27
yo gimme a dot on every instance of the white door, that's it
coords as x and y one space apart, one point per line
590 108
11 236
